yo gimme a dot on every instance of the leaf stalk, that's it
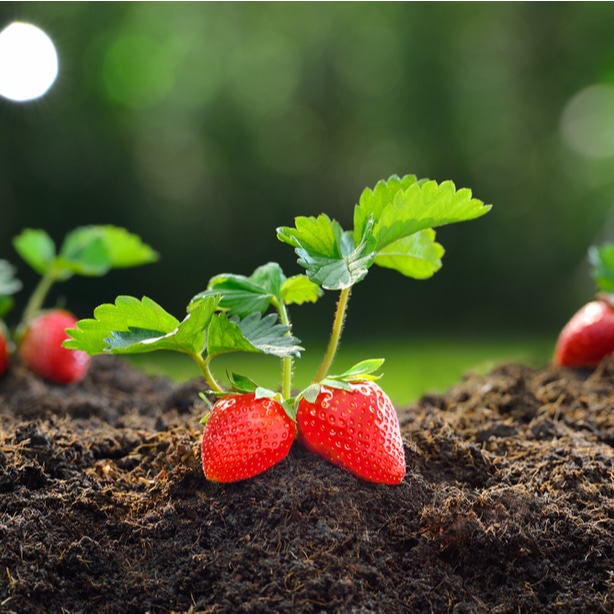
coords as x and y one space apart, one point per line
333 343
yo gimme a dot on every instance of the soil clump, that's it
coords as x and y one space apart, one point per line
507 506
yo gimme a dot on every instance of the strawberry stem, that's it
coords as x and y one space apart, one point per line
37 298
335 336
287 362
203 363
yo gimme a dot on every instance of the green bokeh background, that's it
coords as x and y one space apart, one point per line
204 126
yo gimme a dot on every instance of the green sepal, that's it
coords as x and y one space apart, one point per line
364 370
241 383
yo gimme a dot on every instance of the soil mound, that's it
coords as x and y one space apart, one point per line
507 506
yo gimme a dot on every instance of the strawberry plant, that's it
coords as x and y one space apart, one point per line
346 418
588 337
89 251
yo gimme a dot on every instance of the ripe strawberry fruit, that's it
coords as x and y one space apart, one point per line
42 352
245 436
587 337
357 430
4 349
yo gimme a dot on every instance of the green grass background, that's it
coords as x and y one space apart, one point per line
412 368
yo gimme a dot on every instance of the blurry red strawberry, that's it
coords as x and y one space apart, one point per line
4 349
357 430
42 352
245 436
588 337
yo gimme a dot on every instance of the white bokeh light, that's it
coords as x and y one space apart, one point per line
587 122
28 62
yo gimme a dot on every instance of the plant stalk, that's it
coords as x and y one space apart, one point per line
37 298
203 363
287 362
335 336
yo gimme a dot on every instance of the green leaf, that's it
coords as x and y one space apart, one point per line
270 337
226 336
252 334
242 295
602 261
9 284
127 315
373 202
328 254
125 249
299 289
37 248
94 250
83 252
419 206
418 255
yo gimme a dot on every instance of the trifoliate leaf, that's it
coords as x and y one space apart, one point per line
300 289
125 248
94 250
602 261
328 254
37 248
127 315
418 255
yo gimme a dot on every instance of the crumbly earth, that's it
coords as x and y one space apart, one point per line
507 506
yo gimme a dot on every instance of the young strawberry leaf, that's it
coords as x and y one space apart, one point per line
88 251
242 295
602 261
413 207
267 285
330 256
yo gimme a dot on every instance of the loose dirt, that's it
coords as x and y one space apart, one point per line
507 506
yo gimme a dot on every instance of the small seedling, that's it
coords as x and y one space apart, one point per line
346 418
89 251
588 337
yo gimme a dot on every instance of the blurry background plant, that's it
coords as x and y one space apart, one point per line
202 127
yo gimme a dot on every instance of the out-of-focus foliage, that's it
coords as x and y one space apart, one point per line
204 126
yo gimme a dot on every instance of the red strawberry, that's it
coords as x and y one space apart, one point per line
4 349
245 436
587 337
42 352
357 430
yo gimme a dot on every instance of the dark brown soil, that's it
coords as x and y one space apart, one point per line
508 504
